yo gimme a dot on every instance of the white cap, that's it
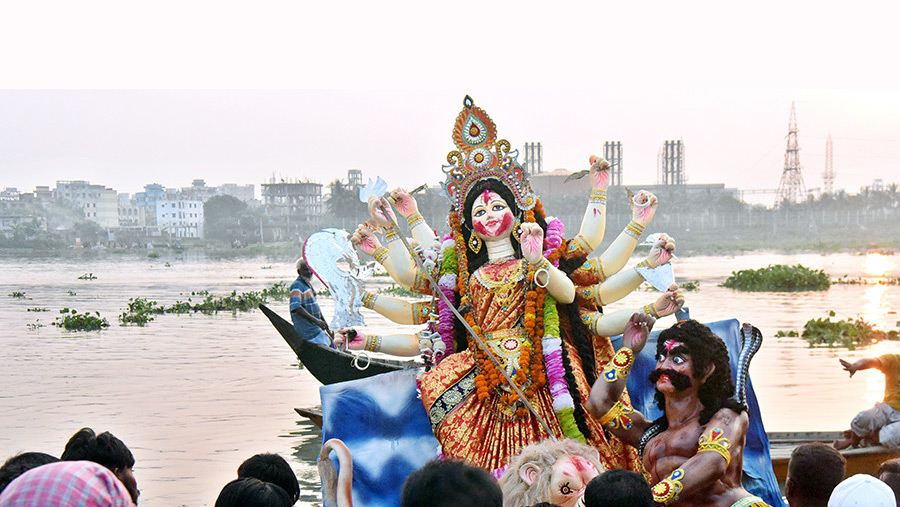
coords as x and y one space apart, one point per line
862 490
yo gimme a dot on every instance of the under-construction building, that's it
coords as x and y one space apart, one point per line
534 159
612 152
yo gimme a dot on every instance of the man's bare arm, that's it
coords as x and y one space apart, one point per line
865 363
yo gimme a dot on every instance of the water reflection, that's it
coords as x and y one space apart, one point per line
877 264
876 306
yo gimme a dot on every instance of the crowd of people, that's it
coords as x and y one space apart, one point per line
97 470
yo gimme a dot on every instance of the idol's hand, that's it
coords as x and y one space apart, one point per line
661 251
364 239
344 334
599 173
531 237
377 208
670 302
636 331
405 203
644 207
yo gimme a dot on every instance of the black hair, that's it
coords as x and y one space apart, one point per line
252 492
705 349
618 488
889 473
271 468
104 449
814 470
450 483
21 463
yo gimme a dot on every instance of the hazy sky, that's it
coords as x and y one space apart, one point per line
124 93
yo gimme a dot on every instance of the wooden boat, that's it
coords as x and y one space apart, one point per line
863 460
329 365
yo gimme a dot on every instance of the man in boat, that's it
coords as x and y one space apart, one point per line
305 312
879 425
694 452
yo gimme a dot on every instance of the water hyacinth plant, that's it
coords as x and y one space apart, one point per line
849 333
71 320
778 278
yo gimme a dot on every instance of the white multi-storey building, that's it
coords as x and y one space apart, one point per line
98 203
179 217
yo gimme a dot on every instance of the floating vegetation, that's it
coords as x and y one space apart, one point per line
690 285
34 326
36 309
71 320
153 255
868 280
167 265
324 292
265 267
787 334
141 311
87 276
397 290
17 294
778 278
849 333
244 277
72 293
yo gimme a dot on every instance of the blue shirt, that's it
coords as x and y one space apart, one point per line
303 295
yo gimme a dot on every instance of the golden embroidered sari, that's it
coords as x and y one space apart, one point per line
488 433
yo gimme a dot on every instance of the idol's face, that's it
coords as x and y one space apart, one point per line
491 216
674 368
569 478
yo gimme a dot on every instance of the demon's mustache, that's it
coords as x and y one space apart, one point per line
679 380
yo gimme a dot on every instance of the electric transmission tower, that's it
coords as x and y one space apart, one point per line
791 188
828 175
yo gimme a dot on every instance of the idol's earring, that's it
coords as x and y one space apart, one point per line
516 232
474 243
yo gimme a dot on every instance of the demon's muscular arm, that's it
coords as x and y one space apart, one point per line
604 402
721 442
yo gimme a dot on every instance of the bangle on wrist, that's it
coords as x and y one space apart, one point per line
415 219
651 311
368 300
634 229
619 366
391 235
597 197
381 254
373 343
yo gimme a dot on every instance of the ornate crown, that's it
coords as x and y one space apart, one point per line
480 155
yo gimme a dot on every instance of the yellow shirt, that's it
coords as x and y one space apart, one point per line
890 366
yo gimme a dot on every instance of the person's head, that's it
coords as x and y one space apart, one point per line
551 471
303 269
271 468
252 492
21 463
82 483
104 449
692 359
813 472
862 490
889 473
449 483
618 488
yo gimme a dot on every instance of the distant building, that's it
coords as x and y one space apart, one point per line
130 214
12 219
179 217
98 203
246 193
290 205
198 191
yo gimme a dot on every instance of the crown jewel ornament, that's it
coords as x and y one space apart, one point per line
480 155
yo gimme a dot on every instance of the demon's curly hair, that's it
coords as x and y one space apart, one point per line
705 349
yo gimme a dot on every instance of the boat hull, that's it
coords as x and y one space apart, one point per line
863 460
328 365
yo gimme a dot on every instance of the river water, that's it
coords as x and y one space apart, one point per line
194 395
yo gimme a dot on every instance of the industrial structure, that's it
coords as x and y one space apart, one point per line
534 159
828 175
670 164
612 152
791 188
